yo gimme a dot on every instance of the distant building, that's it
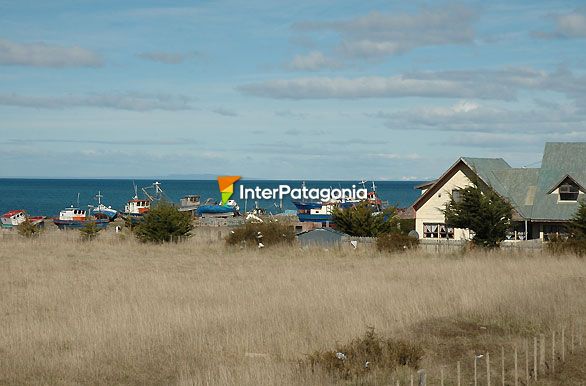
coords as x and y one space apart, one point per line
544 199
320 237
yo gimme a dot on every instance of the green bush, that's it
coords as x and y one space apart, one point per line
369 353
267 233
559 245
361 220
164 223
406 225
89 231
482 211
578 221
395 242
28 229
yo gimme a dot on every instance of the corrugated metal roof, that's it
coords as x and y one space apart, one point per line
528 189
559 159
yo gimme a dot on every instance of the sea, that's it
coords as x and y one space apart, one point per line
46 197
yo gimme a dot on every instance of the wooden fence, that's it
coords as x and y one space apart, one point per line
536 358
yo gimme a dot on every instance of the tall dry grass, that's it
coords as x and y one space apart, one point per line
115 311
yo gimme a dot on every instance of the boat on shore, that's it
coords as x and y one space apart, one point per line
321 211
211 208
76 218
14 218
103 211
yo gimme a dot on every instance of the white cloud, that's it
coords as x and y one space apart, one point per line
225 112
377 87
46 55
168 57
380 34
502 84
471 117
127 101
312 61
572 24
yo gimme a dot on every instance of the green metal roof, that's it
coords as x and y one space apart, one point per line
559 159
528 189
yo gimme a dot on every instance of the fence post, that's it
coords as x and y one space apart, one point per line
516 373
487 369
563 343
412 384
442 376
527 360
572 334
503 365
422 377
542 353
475 370
535 358
553 351
458 371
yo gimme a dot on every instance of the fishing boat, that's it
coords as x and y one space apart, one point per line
103 211
75 218
212 208
136 208
321 211
189 203
16 217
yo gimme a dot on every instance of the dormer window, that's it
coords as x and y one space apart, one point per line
569 191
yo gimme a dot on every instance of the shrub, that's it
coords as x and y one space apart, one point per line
89 231
267 233
366 354
164 223
361 220
406 225
484 212
578 221
28 229
395 242
559 245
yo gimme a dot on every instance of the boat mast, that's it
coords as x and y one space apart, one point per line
99 197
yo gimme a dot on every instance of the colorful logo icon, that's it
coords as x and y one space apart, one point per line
226 184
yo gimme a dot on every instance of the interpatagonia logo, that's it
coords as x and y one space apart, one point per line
226 184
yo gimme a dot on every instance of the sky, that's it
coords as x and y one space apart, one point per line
345 90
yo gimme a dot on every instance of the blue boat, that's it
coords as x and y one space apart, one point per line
213 209
103 211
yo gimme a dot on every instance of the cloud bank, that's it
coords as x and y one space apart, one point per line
46 55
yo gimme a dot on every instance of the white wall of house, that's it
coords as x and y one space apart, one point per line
430 212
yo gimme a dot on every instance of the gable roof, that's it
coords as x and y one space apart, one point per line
564 178
528 189
560 159
480 166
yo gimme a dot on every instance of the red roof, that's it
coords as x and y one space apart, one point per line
12 213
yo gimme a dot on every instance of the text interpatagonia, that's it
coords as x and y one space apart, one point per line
303 193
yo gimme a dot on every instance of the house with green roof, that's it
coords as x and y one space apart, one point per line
544 199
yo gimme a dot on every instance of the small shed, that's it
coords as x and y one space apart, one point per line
320 237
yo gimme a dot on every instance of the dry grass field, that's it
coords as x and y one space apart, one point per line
114 311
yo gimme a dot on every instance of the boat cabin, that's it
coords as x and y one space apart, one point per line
13 218
137 206
73 214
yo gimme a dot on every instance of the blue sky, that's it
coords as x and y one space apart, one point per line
274 89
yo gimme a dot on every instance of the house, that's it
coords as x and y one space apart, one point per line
544 199
320 237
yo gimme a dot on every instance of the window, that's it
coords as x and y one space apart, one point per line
456 195
569 191
437 231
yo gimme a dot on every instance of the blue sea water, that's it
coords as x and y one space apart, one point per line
48 196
